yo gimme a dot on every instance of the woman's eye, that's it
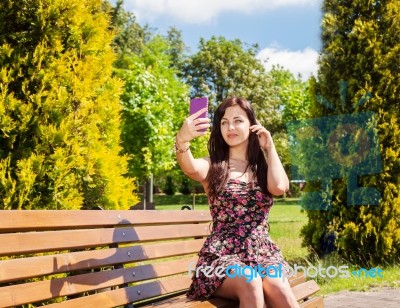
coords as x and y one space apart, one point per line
238 121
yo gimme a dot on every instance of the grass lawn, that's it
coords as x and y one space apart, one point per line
390 278
286 219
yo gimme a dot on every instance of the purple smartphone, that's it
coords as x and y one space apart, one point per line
199 103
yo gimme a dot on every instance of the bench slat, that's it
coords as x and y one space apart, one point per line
182 301
52 219
47 289
315 302
213 303
127 295
31 242
16 269
305 290
296 280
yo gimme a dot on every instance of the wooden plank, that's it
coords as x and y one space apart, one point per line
315 302
297 279
305 290
127 295
182 301
166 301
217 302
23 268
31 242
57 287
14 220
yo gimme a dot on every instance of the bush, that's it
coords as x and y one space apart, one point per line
185 188
59 108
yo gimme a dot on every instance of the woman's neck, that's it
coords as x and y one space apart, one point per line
242 160
240 155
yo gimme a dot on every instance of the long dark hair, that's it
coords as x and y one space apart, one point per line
218 149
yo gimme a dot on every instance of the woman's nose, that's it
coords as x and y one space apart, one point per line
231 127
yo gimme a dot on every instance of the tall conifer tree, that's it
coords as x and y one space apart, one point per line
59 108
360 74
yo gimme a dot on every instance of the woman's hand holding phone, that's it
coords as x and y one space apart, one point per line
194 126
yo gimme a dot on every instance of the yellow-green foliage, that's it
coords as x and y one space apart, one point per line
59 108
361 45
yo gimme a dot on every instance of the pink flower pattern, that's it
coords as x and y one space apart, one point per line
239 235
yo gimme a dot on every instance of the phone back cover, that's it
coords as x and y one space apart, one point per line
198 103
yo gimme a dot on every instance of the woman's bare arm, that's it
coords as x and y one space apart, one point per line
195 168
277 179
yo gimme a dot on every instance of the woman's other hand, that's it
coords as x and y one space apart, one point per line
264 136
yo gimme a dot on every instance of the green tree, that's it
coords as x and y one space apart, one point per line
130 37
150 64
359 73
59 108
294 102
177 50
294 94
155 103
222 68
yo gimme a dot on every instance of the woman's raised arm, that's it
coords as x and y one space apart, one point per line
195 168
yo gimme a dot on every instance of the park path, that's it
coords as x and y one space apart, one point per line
384 297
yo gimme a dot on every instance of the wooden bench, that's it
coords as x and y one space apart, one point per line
107 259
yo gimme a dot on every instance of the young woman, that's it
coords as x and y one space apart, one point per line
240 176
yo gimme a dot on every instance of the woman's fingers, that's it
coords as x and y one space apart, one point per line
200 123
192 127
258 129
195 123
201 126
263 134
197 114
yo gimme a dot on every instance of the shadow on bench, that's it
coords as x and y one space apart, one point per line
107 259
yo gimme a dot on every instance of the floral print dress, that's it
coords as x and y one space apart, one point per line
239 235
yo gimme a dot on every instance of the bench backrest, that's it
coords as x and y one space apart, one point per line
61 254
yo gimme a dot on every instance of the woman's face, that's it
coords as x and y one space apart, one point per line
235 126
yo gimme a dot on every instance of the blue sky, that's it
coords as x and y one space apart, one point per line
287 31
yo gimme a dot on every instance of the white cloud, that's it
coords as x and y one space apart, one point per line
202 11
302 62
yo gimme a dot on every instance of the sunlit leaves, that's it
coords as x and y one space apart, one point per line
59 107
